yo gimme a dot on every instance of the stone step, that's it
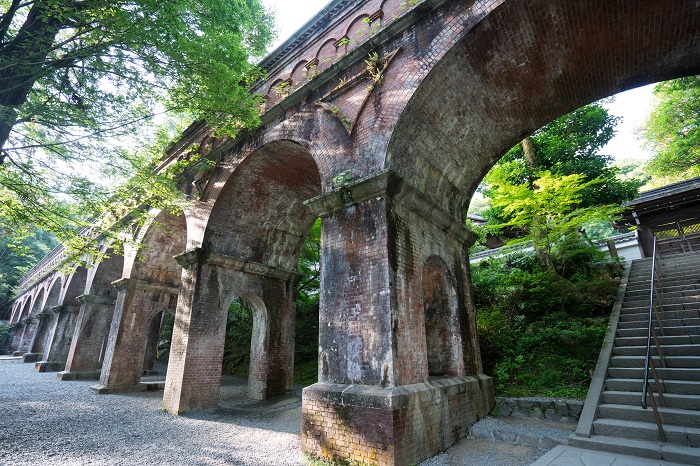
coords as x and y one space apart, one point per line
663 314
639 283
661 299
666 350
643 289
680 387
693 294
671 361
690 322
669 416
644 448
635 309
634 398
665 373
663 340
686 436
668 331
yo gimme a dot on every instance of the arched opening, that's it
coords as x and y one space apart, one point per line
252 242
442 326
491 89
149 287
46 316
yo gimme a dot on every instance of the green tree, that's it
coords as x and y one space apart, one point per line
77 75
17 259
569 145
549 209
672 130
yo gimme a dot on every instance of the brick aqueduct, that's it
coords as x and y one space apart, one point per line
382 118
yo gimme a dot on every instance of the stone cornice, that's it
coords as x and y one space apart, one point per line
134 283
201 256
91 298
389 185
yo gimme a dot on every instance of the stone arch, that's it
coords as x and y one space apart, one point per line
393 8
74 286
265 196
491 89
359 29
100 275
38 300
158 242
54 292
326 54
150 284
259 345
278 89
441 320
251 246
299 74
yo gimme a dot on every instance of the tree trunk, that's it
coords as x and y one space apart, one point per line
529 150
21 59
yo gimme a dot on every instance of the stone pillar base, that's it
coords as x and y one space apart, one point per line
32 357
101 389
46 366
88 375
392 426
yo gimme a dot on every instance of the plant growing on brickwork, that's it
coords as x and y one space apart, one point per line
374 67
343 178
282 89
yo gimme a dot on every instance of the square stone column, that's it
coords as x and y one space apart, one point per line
28 335
391 258
17 333
59 340
89 338
137 303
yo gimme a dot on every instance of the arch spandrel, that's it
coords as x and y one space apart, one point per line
259 215
491 89
159 241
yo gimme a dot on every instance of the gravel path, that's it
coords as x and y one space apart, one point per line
44 421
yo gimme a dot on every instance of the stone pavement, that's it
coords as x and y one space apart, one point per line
572 456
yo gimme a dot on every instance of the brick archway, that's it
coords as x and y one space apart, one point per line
493 88
252 238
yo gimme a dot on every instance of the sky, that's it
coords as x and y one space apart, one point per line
633 105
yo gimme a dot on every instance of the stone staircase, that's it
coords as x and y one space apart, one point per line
613 419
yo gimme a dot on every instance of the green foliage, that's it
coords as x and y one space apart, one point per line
17 256
239 328
569 145
540 332
672 130
79 77
5 332
548 210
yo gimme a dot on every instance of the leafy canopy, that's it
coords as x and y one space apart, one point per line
569 145
550 209
672 130
76 76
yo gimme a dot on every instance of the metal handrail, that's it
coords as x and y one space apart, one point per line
649 362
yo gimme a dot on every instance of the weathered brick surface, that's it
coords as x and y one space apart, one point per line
210 283
391 426
92 325
59 339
